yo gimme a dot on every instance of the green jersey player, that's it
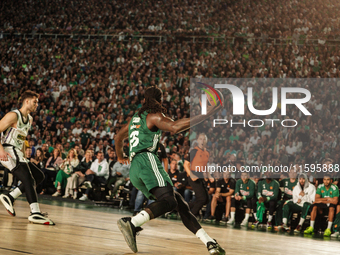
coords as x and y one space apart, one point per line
147 173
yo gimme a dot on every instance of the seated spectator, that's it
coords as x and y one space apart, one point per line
121 173
327 195
45 151
52 165
66 168
139 202
173 172
97 174
288 185
267 195
224 190
28 153
303 197
111 160
182 186
80 152
78 176
244 195
39 160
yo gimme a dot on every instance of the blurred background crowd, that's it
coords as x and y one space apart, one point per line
89 87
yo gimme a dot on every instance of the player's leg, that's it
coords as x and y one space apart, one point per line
38 176
254 207
150 182
288 208
26 174
11 164
213 207
331 213
336 227
304 211
201 194
148 176
191 223
231 205
207 213
279 212
310 229
168 200
248 203
272 206
165 202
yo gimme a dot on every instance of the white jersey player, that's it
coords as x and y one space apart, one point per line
14 127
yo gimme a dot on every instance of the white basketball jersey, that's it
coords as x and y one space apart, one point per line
17 136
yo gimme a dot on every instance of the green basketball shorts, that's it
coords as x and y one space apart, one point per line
147 172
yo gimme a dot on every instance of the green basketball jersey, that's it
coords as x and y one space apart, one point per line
288 188
141 139
268 190
246 190
333 191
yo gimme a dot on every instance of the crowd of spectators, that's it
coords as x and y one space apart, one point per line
89 88
310 19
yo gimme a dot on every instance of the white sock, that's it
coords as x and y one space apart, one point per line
330 225
246 217
140 219
255 217
204 237
284 221
15 193
232 215
312 224
270 217
35 208
302 220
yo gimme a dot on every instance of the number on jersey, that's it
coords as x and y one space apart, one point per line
134 140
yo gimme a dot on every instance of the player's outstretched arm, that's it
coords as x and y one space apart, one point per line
9 119
121 135
166 124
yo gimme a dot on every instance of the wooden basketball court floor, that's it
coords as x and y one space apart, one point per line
84 229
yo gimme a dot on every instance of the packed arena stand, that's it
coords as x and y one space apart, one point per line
90 87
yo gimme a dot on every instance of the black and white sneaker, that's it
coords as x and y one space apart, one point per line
8 203
129 232
39 218
215 248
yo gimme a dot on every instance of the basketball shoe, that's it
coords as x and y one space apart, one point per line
215 248
39 218
8 201
129 232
